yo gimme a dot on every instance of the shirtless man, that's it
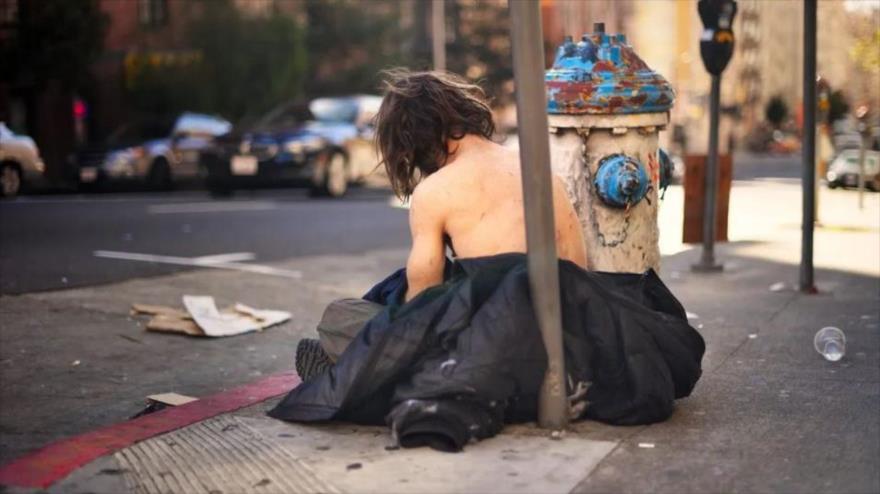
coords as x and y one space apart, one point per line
434 133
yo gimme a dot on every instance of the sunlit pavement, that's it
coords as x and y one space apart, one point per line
764 222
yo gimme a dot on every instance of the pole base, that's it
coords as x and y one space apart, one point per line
704 267
809 289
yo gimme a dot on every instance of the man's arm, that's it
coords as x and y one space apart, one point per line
427 259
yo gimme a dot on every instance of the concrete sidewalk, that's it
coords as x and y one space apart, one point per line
769 414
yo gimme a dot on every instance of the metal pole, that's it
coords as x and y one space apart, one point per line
809 148
438 34
534 152
707 259
862 145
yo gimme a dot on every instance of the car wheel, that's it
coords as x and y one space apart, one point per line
832 185
160 175
10 180
332 178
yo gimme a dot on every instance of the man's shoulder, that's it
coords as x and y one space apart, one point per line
426 197
434 184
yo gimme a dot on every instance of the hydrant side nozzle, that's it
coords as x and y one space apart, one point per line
621 181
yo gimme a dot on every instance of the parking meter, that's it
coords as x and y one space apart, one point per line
717 40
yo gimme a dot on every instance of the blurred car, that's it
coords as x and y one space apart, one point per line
20 162
156 151
326 144
844 170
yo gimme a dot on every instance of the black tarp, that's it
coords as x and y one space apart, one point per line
459 360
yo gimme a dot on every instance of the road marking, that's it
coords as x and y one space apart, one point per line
229 261
211 207
221 258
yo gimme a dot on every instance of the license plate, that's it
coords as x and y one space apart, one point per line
244 165
89 174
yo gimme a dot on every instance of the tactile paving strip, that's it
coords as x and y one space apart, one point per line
217 456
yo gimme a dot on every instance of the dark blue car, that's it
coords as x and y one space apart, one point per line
326 145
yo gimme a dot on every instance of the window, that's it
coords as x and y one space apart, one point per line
153 12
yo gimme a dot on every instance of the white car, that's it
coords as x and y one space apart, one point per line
844 170
20 162
156 151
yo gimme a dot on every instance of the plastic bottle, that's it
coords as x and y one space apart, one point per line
831 343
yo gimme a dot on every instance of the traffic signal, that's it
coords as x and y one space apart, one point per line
717 40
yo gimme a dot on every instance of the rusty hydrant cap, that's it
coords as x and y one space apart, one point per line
602 75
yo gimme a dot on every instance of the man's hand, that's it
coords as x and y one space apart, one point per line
427 259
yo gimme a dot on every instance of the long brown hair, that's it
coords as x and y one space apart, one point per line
420 112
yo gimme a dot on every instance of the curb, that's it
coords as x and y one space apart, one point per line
49 464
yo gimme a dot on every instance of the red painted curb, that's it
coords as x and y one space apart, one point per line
44 467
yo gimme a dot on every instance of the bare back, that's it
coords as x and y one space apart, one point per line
477 201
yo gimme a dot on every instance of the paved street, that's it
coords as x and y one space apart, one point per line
49 242
769 412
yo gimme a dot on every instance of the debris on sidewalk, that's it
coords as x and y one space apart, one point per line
202 318
162 401
242 319
830 342
168 319
779 286
173 399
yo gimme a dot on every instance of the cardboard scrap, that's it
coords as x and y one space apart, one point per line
202 318
166 324
155 310
173 399
162 401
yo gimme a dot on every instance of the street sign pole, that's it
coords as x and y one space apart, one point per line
808 182
534 152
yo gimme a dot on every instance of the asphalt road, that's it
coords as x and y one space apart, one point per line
50 242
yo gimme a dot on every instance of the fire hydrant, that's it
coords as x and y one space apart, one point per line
606 108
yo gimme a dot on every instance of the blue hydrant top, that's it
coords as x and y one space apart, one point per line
602 75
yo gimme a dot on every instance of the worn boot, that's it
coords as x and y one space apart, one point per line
311 359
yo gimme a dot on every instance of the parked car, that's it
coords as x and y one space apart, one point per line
844 170
156 151
20 162
326 144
